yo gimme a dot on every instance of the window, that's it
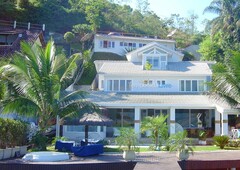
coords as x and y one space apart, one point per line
80 128
116 85
119 85
129 85
188 85
134 45
121 44
194 85
140 45
154 61
109 85
122 85
191 85
182 85
148 82
200 85
107 44
161 83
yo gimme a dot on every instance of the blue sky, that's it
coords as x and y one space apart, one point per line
164 8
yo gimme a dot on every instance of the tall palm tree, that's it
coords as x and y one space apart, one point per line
37 79
227 21
225 82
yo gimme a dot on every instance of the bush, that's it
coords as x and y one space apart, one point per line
221 141
234 143
40 142
12 133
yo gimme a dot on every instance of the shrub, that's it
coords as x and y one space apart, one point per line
40 142
12 133
234 143
221 141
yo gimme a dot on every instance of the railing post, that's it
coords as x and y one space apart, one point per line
29 25
43 27
14 24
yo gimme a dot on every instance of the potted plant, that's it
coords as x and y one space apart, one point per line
128 140
179 142
202 136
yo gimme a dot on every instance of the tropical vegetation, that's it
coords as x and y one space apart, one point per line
180 142
158 128
127 139
37 80
221 141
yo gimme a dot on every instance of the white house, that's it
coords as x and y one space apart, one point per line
171 86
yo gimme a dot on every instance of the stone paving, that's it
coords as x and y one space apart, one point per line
153 160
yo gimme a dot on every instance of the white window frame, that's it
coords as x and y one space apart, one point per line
202 81
113 81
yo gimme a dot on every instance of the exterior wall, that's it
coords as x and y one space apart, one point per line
121 50
172 83
138 57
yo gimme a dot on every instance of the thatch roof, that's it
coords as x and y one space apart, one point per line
95 119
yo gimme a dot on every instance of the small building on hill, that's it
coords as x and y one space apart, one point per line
11 36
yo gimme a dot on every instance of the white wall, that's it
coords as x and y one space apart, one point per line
121 49
138 85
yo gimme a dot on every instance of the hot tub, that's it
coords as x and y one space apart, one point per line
46 156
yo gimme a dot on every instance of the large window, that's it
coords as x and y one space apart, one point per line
121 118
80 128
191 85
119 85
194 118
157 62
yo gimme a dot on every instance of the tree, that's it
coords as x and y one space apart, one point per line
227 21
225 80
39 80
211 50
157 125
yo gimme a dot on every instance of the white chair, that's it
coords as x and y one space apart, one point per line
235 133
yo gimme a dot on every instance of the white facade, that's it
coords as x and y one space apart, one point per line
122 44
130 90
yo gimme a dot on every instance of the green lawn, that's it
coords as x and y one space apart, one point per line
146 149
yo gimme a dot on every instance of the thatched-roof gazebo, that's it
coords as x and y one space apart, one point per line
94 119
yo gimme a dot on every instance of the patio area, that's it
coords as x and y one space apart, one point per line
147 160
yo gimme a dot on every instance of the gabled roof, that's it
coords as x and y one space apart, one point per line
187 68
157 45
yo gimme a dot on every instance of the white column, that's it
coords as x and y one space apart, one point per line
217 123
137 121
224 124
57 126
172 120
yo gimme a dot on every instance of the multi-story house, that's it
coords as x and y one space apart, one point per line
154 80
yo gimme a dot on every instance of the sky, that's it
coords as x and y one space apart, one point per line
164 9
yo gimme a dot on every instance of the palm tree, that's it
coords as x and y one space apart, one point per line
225 81
37 80
227 21
157 125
